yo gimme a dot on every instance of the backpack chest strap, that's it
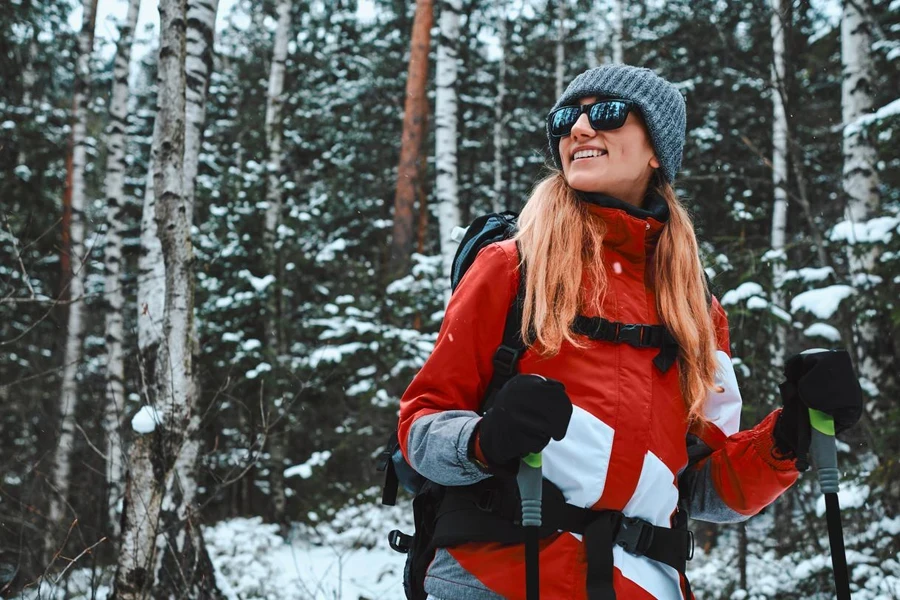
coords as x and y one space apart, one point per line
636 335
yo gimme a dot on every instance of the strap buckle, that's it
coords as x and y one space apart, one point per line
631 335
399 541
691 552
634 535
506 359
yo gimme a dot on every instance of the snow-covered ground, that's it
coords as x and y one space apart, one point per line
348 558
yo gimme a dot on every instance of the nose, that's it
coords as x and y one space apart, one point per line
582 127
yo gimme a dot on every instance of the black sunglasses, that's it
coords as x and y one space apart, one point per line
602 115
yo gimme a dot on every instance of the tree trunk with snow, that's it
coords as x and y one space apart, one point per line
779 172
275 341
77 263
593 36
415 112
156 449
183 568
500 117
560 73
115 227
445 120
860 179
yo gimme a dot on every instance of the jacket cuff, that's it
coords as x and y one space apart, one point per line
764 443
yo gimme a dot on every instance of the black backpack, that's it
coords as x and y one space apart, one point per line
427 495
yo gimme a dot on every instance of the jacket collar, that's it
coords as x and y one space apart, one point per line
631 230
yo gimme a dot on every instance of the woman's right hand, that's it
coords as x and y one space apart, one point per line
527 412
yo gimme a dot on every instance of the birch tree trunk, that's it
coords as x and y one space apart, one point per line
618 29
560 47
500 118
155 450
445 119
414 115
779 172
860 179
594 35
77 262
115 227
274 336
183 568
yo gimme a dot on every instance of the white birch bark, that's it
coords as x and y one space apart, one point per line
68 398
560 47
445 119
274 338
500 117
115 227
153 453
182 564
618 27
779 171
859 177
594 35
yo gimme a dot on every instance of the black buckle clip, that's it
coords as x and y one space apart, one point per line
505 359
486 501
691 553
634 535
631 335
399 541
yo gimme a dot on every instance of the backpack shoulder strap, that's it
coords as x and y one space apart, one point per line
511 349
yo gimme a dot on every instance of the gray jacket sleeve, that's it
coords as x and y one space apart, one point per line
697 491
437 447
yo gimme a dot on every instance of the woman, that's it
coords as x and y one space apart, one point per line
621 428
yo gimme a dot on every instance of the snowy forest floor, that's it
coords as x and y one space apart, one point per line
347 558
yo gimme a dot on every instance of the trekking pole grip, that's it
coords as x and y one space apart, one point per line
530 480
823 451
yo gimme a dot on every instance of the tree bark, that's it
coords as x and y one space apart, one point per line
618 29
500 118
183 567
445 120
74 272
274 336
154 454
860 178
560 72
415 110
779 20
115 199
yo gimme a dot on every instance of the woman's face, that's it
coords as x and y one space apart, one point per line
625 163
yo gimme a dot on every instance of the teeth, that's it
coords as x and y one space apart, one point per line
588 153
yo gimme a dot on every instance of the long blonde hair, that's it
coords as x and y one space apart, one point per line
560 240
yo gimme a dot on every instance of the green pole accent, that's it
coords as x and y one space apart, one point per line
821 422
533 460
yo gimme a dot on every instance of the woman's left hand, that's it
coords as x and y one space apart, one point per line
823 380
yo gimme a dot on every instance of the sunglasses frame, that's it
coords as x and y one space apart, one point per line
585 108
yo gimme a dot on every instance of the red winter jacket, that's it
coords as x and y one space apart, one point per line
627 444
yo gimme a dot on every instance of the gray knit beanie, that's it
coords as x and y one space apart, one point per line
660 102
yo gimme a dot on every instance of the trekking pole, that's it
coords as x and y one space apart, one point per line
823 452
530 480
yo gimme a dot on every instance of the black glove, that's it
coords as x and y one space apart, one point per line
823 380
528 411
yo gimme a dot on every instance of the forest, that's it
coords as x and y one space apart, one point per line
225 238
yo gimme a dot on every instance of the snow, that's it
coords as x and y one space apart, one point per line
823 330
849 496
145 420
879 229
304 470
757 303
808 274
822 302
889 110
742 292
